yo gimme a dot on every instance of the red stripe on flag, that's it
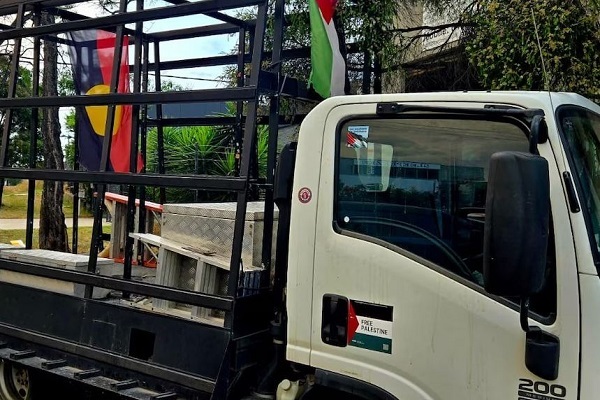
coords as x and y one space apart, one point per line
121 142
350 139
327 8
105 44
352 322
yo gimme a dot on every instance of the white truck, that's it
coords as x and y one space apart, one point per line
441 246
405 283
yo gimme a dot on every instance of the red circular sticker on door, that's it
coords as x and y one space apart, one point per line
305 195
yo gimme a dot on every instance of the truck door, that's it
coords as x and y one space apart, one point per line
398 302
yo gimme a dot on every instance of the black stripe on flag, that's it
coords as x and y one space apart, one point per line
376 311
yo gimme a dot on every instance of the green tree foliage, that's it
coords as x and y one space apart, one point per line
66 87
69 147
18 152
503 46
369 25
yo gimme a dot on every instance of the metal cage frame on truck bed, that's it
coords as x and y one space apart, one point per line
108 345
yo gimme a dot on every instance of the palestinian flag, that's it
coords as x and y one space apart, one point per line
92 53
356 141
328 75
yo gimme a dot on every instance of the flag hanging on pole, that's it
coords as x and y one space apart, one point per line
92 53
328 75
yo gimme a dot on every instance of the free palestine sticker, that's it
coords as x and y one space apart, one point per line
370 326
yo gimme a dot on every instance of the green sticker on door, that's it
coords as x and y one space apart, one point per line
370 326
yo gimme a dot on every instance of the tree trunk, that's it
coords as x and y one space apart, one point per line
53 231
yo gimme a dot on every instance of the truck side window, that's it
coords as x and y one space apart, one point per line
581 131
418 185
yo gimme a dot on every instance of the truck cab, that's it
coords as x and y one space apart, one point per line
389 287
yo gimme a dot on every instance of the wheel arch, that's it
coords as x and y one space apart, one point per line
328 383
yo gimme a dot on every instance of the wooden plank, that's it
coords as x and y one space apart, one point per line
121 215
150 238
119 198
182 249
206 282
166 275
208 268
5 246
201 276
160 272
147 254
110 206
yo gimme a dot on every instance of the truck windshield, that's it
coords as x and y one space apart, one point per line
418 184
581 130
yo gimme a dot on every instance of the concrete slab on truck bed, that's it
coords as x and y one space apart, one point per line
56 259
181 248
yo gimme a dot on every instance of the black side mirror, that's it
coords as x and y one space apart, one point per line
516 243
516 224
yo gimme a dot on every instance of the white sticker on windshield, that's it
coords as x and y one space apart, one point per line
360 130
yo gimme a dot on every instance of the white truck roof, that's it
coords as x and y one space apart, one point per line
533 99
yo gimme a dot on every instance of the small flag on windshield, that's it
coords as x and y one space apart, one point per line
356 141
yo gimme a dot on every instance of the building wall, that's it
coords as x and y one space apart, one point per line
441 47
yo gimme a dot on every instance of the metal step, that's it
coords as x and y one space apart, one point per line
126 389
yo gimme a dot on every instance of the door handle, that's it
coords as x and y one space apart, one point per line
334 322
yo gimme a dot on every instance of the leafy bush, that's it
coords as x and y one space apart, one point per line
503 46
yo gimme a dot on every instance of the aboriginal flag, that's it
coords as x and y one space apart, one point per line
92 53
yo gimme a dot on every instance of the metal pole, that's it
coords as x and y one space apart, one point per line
135 123
241 77
159 127
105 157
247 152
273 136
366 83
143 133
33 135
76 184
377 85
196 170
12 89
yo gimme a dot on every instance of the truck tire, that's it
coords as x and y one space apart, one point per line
15 382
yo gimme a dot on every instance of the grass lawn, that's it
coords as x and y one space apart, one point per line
14 202
83 242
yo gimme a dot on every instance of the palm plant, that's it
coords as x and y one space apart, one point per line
225 165
262 145
204 150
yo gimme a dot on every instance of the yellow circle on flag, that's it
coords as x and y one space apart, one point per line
98 114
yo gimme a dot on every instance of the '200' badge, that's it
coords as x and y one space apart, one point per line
305 195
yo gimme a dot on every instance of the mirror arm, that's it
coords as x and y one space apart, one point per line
538 133
535 133
525 314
